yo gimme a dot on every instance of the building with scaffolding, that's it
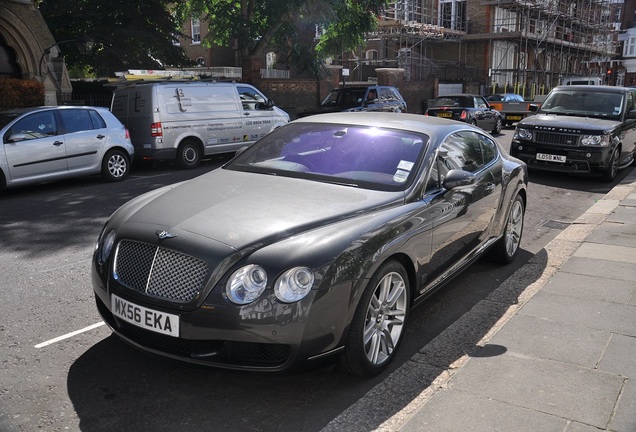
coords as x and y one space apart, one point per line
522 46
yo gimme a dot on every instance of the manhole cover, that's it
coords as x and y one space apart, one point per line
552 224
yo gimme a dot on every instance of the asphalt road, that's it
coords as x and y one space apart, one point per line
64 370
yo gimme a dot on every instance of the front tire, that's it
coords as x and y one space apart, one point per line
506 248
378 323
115 166
610 172
188 155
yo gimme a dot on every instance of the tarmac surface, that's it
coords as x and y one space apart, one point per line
552 349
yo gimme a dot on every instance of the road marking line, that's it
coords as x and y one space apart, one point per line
68 335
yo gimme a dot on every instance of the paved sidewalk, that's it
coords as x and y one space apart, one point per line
552 349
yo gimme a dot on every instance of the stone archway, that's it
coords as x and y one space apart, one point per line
25 37
8 66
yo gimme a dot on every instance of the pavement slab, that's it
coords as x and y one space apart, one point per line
545 386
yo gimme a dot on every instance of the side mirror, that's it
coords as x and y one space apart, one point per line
458 178
268 104
631 114
533 108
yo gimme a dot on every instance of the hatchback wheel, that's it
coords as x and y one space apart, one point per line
115 166
378 324
506 248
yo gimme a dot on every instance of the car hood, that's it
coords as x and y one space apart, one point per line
244 210
568 122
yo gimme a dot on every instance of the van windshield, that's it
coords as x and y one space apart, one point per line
584 103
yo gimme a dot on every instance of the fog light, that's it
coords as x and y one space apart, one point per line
588 155
520 148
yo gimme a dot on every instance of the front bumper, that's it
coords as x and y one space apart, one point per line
261 336
579 160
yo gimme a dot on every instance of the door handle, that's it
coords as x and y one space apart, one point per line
100 136
246 113
57 143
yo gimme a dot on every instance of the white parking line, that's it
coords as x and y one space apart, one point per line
68 335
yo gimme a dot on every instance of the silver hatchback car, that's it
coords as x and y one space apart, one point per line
50 143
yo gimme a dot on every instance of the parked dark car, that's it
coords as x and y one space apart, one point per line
581 130
314 242
472 109
360 98
42 144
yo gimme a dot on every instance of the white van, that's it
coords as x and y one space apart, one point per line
186 121
581 80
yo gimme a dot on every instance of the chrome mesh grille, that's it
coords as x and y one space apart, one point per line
158 271
556 138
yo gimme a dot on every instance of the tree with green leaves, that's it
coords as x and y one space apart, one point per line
123 34
287 27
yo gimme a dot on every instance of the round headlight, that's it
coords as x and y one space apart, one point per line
524 134
294 284
106 246
246 284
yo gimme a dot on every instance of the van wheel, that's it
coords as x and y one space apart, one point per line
188 155
115 166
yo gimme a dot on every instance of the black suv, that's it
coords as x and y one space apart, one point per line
361 98
580 129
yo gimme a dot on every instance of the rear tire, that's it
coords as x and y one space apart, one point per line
506 248
188 154
497 129
378 324
115 166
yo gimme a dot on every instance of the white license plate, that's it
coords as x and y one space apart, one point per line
550 158
143 317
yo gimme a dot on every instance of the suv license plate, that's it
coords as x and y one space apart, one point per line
550 158
143 317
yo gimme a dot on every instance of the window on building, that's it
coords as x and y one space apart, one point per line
453 14
270 60
195 25
629 50
371 55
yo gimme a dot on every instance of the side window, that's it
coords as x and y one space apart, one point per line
76 120
372 96
98 121
463 151
488 149
249 98
480 102
38 125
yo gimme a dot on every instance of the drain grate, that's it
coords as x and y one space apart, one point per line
552 224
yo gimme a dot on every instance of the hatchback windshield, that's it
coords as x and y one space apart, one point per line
583 103
367 157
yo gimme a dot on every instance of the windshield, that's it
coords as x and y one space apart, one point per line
345 98
583 103
359 156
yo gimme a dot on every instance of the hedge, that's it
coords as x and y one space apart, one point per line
16 93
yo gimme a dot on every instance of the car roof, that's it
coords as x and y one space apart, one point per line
431 126
593 88
458 95
25 110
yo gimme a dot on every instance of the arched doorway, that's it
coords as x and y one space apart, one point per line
8 66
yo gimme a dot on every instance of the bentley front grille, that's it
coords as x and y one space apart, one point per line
556 139
159 272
